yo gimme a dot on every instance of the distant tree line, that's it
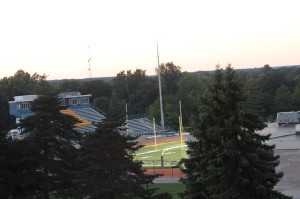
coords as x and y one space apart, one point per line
224 108
268 90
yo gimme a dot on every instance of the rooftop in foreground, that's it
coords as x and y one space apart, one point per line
287 145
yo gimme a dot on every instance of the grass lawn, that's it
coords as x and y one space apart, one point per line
171 188
172 152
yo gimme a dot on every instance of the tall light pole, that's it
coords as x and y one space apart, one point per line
126 119
162 121
180 123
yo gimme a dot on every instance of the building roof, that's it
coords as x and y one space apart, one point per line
24 98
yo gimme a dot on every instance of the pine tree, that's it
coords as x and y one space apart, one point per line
50 148
5 172
228 159
109 170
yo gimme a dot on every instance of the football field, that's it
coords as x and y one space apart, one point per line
172 152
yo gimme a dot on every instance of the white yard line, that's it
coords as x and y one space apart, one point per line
169 153
147 152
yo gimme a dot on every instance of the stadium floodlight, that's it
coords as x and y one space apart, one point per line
126 119
162 121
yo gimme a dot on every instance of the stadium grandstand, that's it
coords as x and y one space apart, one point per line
140 125
79 106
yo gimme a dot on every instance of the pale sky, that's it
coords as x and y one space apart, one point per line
52 36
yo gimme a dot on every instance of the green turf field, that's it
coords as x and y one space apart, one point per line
172 153
171 188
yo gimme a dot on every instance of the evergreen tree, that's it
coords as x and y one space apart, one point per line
21 181
50 148
228 159
109 170
5 171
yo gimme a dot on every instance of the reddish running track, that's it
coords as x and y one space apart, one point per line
166 172
162 140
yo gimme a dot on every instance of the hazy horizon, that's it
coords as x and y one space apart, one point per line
52 37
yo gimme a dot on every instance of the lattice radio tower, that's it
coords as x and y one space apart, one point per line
89 62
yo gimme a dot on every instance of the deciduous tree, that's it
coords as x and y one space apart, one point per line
170 74
283 99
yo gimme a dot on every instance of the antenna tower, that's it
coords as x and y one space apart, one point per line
89 61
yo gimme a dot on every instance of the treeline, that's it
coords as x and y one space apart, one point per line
268 90
224 105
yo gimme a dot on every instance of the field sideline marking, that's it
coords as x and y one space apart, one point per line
161 150
147 152
152 145
175 147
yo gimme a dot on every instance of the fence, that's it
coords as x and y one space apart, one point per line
160 163
170 169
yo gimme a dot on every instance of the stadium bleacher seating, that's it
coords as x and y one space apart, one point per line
85 129
143 126
82 121
89 114
79 107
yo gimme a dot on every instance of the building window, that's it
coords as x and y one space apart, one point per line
63 102
85 100
23 106
72 101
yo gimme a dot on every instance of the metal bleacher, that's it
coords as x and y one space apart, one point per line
85 129
135 126
89 114
86 116
149 123
143 126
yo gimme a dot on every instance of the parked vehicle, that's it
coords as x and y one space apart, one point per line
297 128
292 117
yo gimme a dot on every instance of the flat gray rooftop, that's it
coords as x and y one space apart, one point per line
287 145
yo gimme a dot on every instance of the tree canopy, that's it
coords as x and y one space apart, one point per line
109 170
51 145
140 91
228 159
